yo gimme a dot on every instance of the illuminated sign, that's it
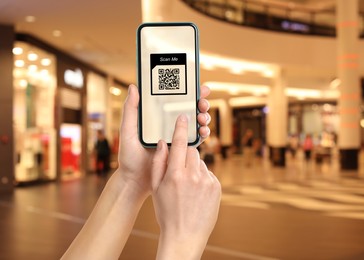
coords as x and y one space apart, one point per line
293 26
74 78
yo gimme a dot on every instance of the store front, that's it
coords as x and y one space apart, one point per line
34 86
246 119
105 99
96 114
321 120
54 119
71 120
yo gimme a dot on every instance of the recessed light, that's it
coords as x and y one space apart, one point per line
237 70
45 62
32 56
17 50
57 33
335 83
115 91
19 63
33 68
23 83
30 19
44 72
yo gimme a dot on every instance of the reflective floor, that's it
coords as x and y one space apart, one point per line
302 211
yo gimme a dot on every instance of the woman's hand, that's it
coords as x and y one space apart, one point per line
135 161
186 197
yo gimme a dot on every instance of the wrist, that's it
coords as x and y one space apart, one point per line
136 189
180 247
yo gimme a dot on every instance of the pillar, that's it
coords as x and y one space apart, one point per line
7 36
226 127
277 120
348 73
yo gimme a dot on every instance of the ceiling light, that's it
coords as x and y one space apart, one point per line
207 66
19 63
30 19
115 91
335 83
33 68
327 107
232 64
46 62
32 56
247 101
23 83
44 72
301 93
236 88
237 70
57 33
17 50
268 73
18 73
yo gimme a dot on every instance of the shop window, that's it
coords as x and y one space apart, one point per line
34 102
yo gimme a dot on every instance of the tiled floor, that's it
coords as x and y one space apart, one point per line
302 211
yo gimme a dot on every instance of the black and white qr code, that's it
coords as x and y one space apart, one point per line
168 73
169 79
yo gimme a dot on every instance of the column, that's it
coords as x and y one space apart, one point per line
7 36
226 127
277 117
348 73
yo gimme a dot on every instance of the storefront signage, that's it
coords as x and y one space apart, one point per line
74 78
294 26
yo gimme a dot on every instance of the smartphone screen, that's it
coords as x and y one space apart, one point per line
168 80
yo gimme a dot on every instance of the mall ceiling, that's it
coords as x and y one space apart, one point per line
101 33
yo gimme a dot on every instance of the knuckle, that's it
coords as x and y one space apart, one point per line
179 142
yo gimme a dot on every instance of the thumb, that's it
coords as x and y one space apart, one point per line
159 164
129 124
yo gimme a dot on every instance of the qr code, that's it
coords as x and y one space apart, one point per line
169 79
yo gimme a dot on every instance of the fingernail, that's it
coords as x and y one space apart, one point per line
183 118
159 145
208 132
207 118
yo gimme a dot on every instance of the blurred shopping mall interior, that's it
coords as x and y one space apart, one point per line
284 71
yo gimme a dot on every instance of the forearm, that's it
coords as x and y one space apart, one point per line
172 247
107 229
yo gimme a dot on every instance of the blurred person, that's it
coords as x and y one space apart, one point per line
103 153
307 147
258 147
248 151
186 194
293 145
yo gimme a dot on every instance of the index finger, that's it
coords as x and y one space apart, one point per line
177 155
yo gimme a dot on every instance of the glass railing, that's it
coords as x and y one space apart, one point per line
272 16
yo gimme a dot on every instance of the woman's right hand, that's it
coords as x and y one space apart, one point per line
186 197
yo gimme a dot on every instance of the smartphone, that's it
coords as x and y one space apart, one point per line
168 80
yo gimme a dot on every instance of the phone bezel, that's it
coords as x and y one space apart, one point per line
197 77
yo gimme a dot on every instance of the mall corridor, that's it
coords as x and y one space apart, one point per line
284 76
303 211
